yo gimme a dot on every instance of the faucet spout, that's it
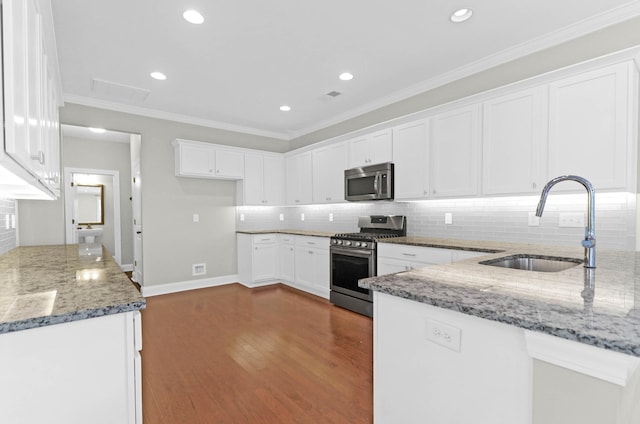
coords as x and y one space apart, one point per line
589 242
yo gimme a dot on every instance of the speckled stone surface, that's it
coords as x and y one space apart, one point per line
599 308
45 285
292 232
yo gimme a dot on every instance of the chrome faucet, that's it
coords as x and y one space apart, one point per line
589 242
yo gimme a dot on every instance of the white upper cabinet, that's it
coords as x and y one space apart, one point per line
513 142
229 164
329 164
205 160
411 160
590 118
454 152
371 149
299 179
263 180
31 96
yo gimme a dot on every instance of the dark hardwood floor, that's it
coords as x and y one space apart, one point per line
230 354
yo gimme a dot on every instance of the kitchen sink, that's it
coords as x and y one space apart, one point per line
537 263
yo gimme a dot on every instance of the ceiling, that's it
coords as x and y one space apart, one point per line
250 57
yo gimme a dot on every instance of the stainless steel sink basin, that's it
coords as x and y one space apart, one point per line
534 263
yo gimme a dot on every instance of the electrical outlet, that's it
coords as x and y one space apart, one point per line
330 217
571 220
302 217
534 221
281 217
444 334
448 218
241 217
196 217
198 269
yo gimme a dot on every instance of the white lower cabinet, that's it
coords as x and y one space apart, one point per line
312 265
394 258
257 258
287 257
299 261
78 372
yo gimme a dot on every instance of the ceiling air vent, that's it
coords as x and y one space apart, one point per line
120 91
333 93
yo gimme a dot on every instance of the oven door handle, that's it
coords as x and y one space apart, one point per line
350 252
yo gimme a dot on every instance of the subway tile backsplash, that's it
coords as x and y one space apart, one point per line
8 238
494 219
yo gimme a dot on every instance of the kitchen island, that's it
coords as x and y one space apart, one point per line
70 338
467 342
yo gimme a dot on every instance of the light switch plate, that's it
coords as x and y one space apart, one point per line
196 217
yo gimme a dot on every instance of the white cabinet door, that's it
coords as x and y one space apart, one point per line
273 179
287 257
263 180
371 149
229 164
411 160
14 33
312 267
589 127
329 164
265 260
299 179
514 135
195 160
253 180
454 153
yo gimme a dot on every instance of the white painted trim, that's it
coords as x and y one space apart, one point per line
175 117
259 284
167 288
70 234
126 267
607 365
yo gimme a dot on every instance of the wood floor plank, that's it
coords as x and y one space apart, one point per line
230 354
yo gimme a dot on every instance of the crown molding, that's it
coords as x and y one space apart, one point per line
168 116
565 34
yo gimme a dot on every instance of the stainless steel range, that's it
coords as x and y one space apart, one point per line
354 256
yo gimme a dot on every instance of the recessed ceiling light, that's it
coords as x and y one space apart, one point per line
285 108
461 15
97 130
193 16
346 76
158 75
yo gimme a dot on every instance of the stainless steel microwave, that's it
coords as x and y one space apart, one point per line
374 182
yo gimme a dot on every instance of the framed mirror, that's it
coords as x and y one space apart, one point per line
89 204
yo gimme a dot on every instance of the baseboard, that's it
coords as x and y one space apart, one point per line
126 267
188 285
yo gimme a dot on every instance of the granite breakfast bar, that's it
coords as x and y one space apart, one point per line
70 338
467 342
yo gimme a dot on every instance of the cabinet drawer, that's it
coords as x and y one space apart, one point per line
308 241
286 238
427 255
265 238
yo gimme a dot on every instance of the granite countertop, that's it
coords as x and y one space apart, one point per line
557 303
292 232
45 285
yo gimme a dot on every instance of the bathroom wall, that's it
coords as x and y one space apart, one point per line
495 219
8 239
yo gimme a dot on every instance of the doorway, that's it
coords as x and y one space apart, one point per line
111 160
